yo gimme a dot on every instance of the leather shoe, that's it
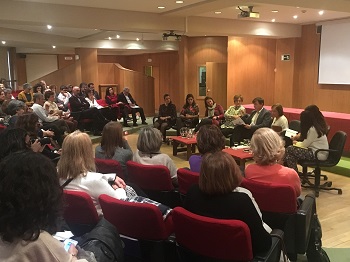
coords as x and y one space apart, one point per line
135 124
144 123
126 125
97 133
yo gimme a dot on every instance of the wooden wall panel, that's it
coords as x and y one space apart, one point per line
21 70
251 64
106 73
89 66
62 62
217 83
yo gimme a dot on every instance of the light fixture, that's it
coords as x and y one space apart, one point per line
118 36
161 7
273 20
249 13
53 46
295 16
137 39
217 12
3 42
179 2
321 12
171 34
274 11
49 27
109 38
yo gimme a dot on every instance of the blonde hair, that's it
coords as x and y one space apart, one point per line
267 146
77 156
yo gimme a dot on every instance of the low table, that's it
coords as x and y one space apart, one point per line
189 142
239 155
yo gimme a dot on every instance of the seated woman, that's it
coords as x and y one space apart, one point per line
218 195
114 146
189 115
313 134
214 113
268 151
109 113
279 119
111 98
27 218
77 167
148 151
166 116
209 140
231 114
14 109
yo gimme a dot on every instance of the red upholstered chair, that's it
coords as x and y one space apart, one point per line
278 204
85 122
107 166
2 128
155 180
186 179
142 222
202 238
79 212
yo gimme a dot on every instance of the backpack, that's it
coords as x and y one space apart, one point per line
104 241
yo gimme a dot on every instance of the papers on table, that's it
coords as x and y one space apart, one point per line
290 132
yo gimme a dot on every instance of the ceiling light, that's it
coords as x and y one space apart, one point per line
137 39
273 20
109 38
3 42
161 7
53 46
118 36
274 11
217 12
295 16
179 2
49 27
321 12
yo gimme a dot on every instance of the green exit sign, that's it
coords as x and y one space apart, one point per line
285 57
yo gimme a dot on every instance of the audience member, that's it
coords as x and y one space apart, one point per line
26 95
2 100
231 114
8 98
166 117
63 97
82 89
15 108
31 202
209 140
130 104
111 98
95 93
37 88
148 151
259 118
313 135
114 146
218 195
268 151
189 115
318 118
214 113
279 119
110 113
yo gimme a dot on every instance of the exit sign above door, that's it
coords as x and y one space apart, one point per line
285 57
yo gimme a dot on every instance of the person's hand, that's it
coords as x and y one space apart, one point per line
247 126
215 117
48 133
73 251
294 142
36 146
296 137
188 116
119 103
162 118
118 183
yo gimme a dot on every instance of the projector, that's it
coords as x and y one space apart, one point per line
171 33
249 13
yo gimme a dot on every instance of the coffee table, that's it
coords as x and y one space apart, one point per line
189 142
239 155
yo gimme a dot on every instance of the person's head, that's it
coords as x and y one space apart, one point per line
15 107
149 140
38 98
89 93
219 174
318 118
267 146
277 110
210 139
43 84
258 103
13 140
29 122
76 90
77 156
27 87
82 87
53 88
112 137
126 90
167 99
190 100
208 102
50 96
63 89
110 91
8 94
37 88
237 100
306 122
69 88
31 197
91 86
2 96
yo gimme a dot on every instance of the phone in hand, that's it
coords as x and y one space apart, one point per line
68 242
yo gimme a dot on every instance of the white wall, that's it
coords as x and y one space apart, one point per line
40 65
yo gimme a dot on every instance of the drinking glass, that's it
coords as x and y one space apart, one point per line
235 145
183 131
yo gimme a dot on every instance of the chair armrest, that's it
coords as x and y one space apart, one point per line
155 118
323 150
273 255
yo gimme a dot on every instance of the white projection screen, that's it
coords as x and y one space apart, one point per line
334 63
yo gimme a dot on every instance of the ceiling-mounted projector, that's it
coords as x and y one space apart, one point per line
248 13
171 34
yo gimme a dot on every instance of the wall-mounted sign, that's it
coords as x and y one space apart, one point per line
68 58
285 57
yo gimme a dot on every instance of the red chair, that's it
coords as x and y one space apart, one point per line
79 212
85 122
142 222
155 180
202 238
2 128
186 178
108 166
278 204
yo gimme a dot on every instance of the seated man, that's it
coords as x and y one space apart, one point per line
167 116
259 118
80 109
130 104
26 95
96 94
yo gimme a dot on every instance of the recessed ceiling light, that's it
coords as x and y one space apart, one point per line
95 29
217 12
161 7
118 36
49 27
273 20
109 38
321 12
179 2
295 16
53 46
137 39
274 11
3 42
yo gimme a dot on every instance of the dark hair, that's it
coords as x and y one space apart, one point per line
205 101
279 109
82 84
12 140
90 84
236 97
165 95
29 122
13 106
89 91
210 139
48 94
62 87
259 100
35 88
306 122
36 96
187 97
31 197
318 119
112 137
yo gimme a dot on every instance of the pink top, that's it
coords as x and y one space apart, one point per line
274 173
